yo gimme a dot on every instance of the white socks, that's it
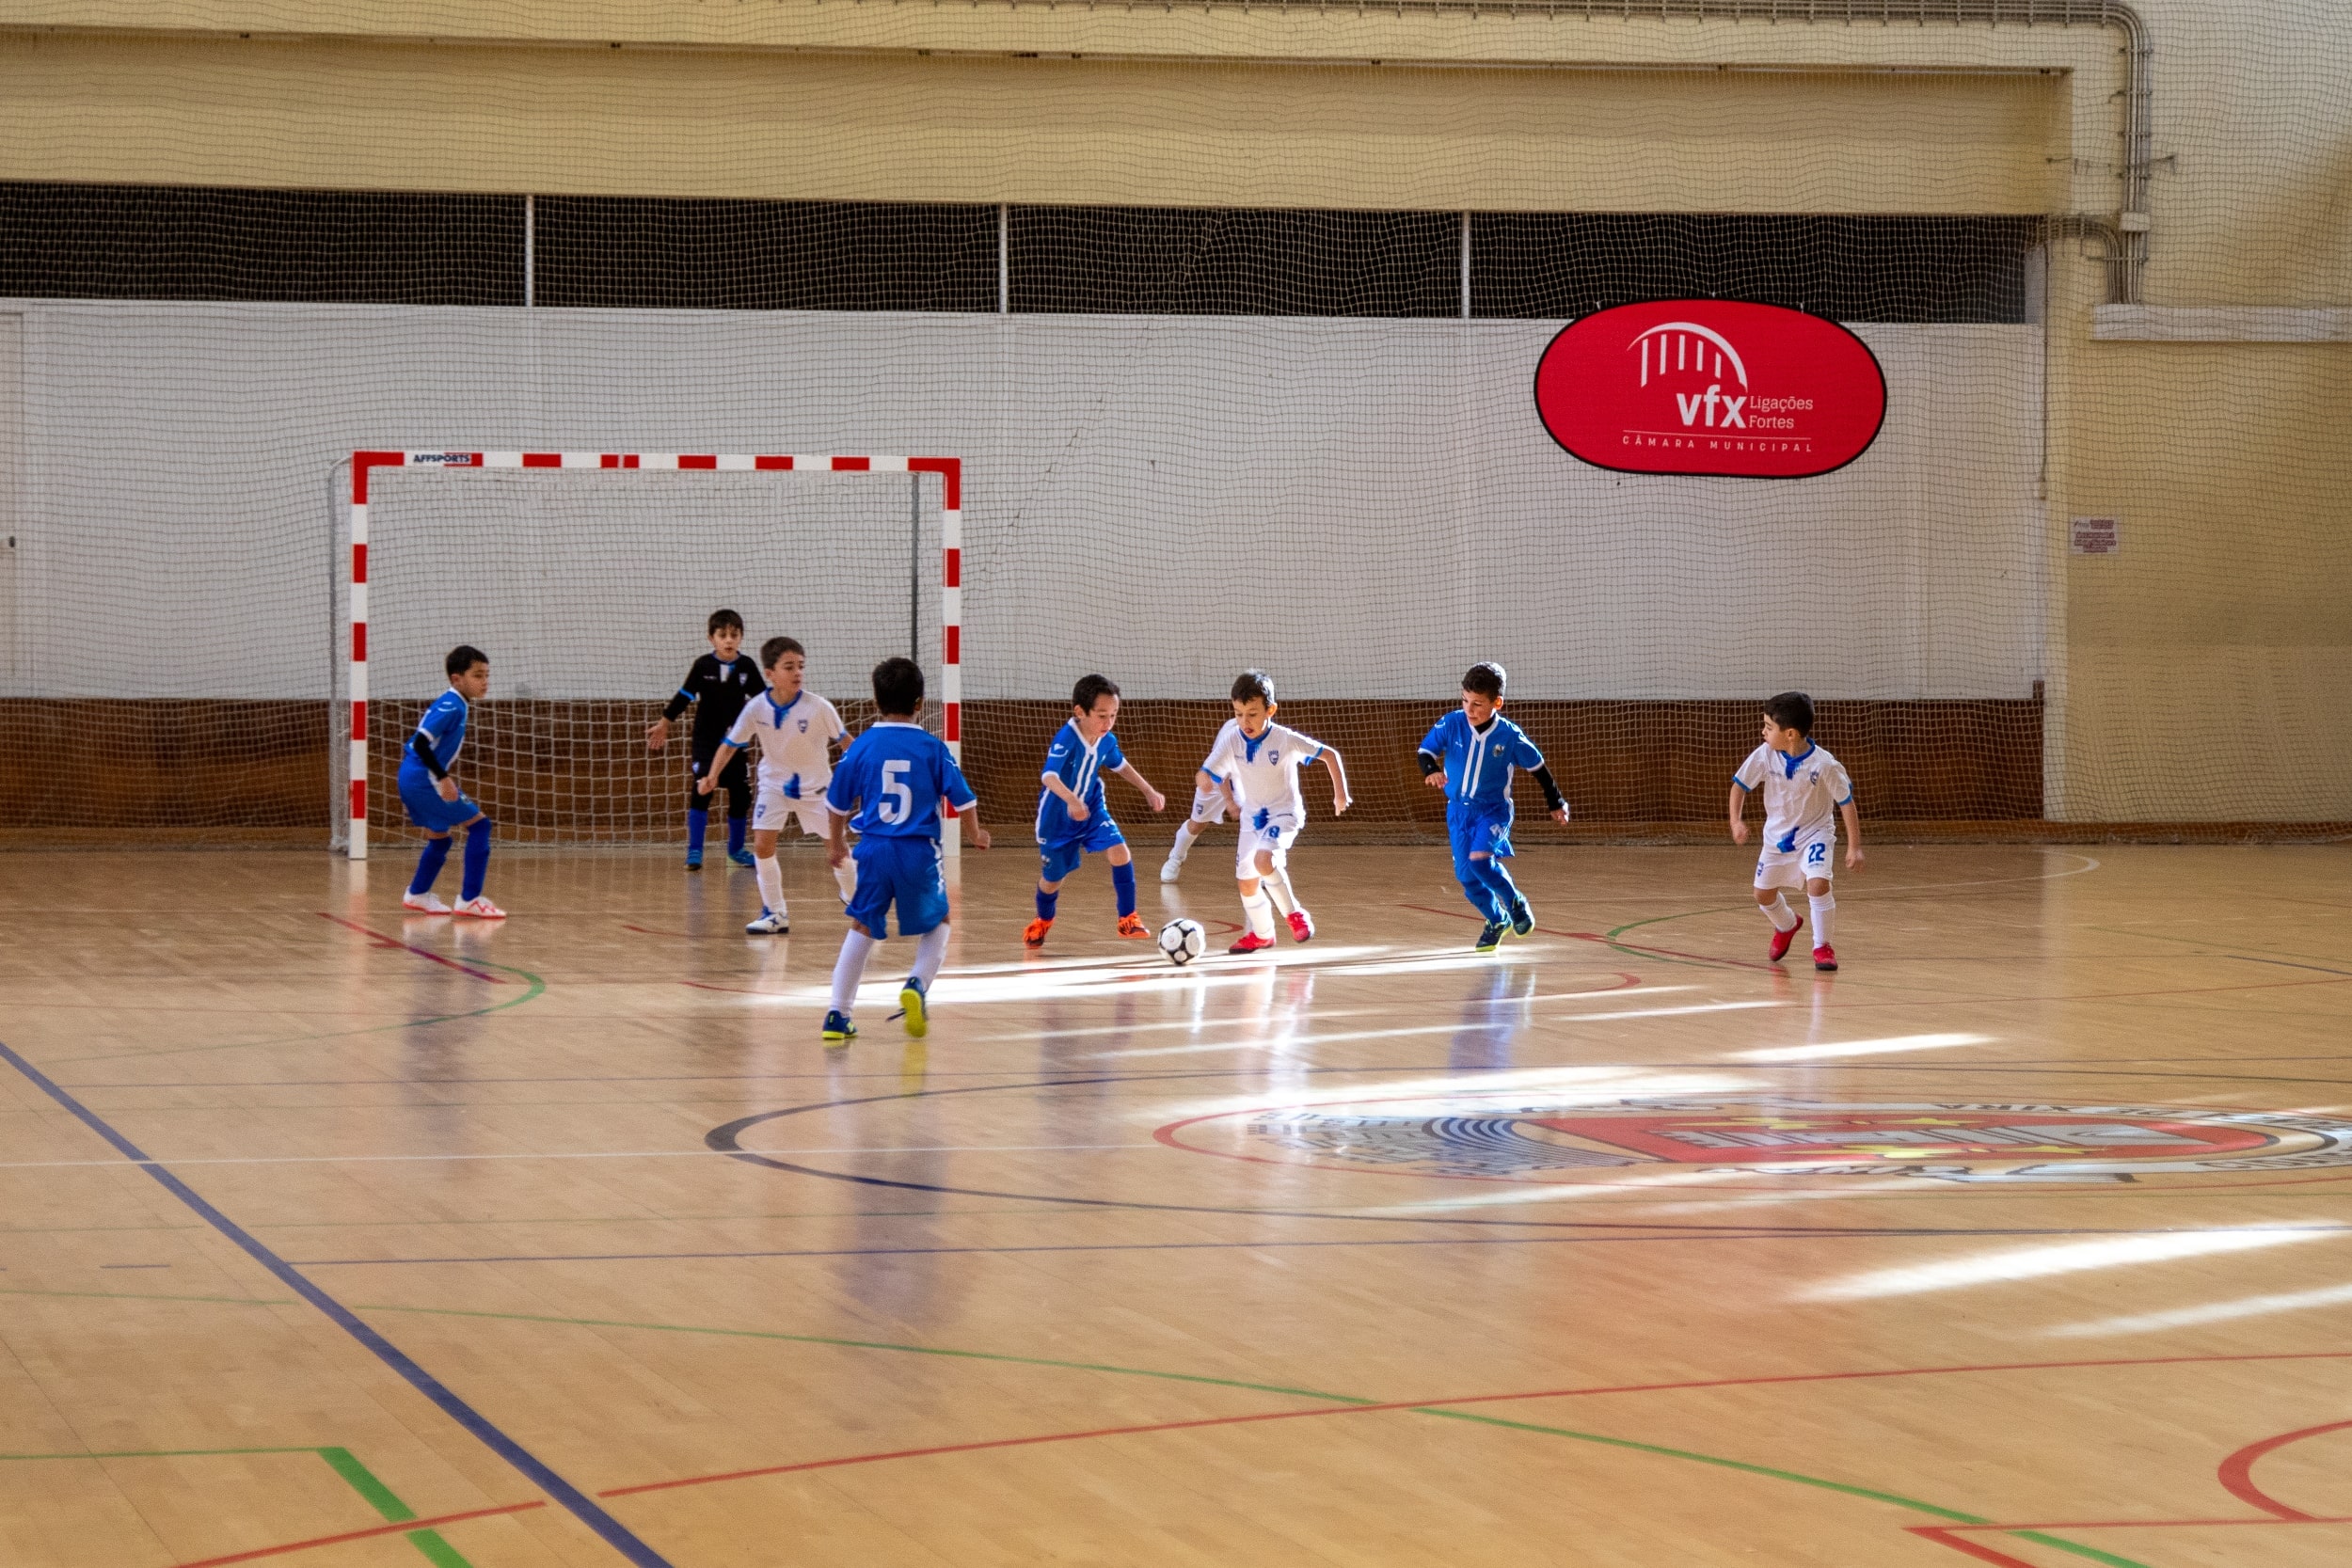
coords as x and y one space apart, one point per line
1278 886
1779 914
1822 907
849 969
845 877
1185 834
928 954
770 883
1258 910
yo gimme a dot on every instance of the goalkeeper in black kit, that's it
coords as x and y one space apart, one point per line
718 686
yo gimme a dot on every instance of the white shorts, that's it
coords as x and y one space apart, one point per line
1795 868
1275 838
1209 805
773 809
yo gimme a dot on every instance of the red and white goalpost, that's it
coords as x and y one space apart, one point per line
950 471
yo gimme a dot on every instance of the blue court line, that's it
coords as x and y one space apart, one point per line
581 1507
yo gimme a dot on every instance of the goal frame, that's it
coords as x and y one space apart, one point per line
950 471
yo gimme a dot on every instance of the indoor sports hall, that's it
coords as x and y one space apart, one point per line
881 784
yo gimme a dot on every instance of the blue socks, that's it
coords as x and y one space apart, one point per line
1124 882
697 825
429 865
1047 903
1498 881
477 859
737 827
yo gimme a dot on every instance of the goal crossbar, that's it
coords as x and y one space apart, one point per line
950 471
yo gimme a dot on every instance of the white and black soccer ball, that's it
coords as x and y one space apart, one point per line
1182 940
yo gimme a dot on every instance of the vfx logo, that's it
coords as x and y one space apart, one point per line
1710 387
1691 348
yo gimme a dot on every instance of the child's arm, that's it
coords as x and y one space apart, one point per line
1076 807
1853 834
1215 785
971 814
1340 800
718 765
1128 771
657 733
420 748
837 836
1739 809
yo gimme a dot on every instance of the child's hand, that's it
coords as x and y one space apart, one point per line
703 785
1078 810
1853 857
836 854
657 734
1434 781
1561 815
1341 801
448 787
1739 831
1159 802
979 837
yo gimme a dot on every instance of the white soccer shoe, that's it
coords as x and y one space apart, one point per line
480 908
423 903
770 924
1172 869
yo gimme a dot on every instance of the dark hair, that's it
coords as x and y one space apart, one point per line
776 647
1791 710
1091 690
463 657
898 686
1254 682
1487 679
721 620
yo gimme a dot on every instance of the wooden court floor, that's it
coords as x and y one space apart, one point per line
341 1240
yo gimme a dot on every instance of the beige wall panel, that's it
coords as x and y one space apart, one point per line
879 127
2275 713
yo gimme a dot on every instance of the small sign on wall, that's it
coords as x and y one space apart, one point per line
2094 537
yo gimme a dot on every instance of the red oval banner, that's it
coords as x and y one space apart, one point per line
1710 387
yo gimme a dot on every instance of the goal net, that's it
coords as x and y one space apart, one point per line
588 579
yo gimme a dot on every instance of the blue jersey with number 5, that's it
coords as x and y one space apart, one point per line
893 776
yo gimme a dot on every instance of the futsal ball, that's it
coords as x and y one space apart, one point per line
1182 940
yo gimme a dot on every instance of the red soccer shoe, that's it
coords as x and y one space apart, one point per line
1782 939
1251 943
1302 926
1132 926
1826 958
1035 935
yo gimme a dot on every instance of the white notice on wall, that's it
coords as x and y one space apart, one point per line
2094 537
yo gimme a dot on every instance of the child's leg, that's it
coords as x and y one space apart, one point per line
477 860
1048 897
1772 904
1824 904
429 864
1255 903
1122 877
1492 872
697 817
850 967
930 954
770 868
738 784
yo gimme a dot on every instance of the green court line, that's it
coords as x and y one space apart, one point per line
537 987
1796 1477
1609 937
342 1460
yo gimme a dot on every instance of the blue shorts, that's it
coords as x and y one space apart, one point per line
904 871
426 808
1472 827
1098 833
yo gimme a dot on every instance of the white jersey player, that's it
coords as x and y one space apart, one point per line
1806 791
796 731
1255 764
1209 806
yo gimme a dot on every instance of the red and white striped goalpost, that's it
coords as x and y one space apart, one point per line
949 469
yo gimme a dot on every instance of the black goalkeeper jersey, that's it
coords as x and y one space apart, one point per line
718 692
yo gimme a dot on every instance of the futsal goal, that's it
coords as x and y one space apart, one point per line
587 578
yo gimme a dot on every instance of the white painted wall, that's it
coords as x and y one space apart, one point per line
1362 506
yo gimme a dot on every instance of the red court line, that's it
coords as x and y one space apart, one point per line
1943 1536
1473 1398
2237 1472
401 1529
383 941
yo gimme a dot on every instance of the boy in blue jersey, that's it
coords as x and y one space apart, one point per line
432 798
1470 755
1072 817
893 777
